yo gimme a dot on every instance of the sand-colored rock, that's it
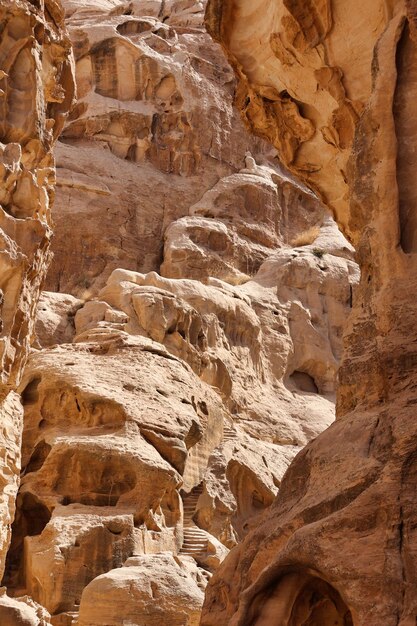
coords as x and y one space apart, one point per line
168 423
22 612
55 318
331 84
236 225
36 92
152 589
154 129
305 78
165 398
112 431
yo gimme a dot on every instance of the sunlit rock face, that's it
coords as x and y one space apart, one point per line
197 349
154 128
36 92
331 85
166 416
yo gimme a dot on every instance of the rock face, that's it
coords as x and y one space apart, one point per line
150 590
154 128
169 421
188 346
36 92
331 84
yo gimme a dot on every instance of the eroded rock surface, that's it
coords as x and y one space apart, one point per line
152 589
154 128
168 423
197 353
36 92
330 84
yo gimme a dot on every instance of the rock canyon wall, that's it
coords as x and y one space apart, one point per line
331 84
36 92
187 346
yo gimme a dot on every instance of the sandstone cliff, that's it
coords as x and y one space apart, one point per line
36 92
189 344
332 85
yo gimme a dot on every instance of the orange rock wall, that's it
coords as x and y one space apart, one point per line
332 84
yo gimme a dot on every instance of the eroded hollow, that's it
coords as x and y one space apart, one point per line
102 485
38 457
406 132
135 27
31 518
304 382
300 598
30 394
251 495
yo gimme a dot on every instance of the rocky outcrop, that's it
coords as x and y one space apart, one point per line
197 351
22 612
154 129
157 589
36 92
331 84
168 423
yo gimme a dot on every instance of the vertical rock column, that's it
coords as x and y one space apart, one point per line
333 85
36 92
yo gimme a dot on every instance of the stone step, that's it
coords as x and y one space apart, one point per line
190 503
229 433
194 538
195 542
193 551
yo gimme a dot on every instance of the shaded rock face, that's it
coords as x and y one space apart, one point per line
197 350
330 84
36 92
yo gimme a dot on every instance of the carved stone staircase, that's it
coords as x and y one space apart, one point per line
229 432
195 542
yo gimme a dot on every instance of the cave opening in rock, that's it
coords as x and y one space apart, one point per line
30 393
300 599
38 457
31 518
318 604
134 27
304 382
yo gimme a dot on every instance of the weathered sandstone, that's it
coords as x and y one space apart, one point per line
154 128
331 84
55 318
22 612
36 92
168 423
196 350
152 589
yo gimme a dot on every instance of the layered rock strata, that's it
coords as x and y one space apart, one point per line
331 85
36 92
